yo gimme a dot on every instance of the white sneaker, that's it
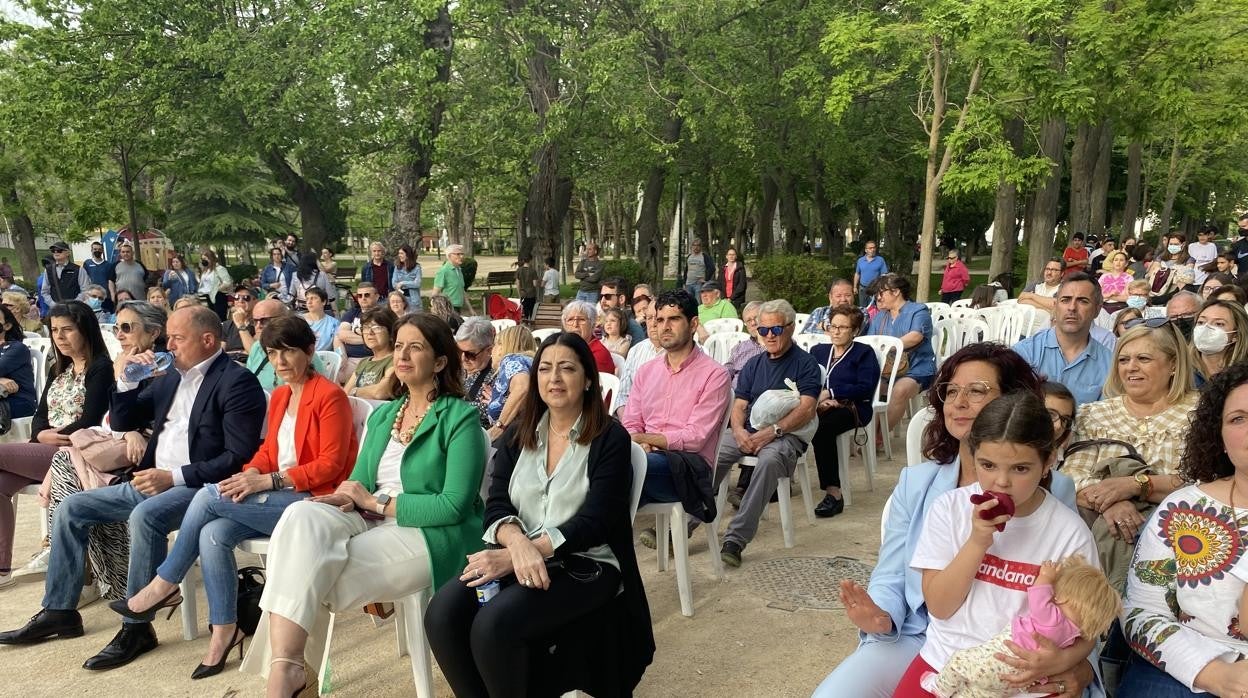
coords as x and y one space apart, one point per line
90 594
35 570
7 580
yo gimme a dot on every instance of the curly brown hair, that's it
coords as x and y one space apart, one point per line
1204 459
1014 373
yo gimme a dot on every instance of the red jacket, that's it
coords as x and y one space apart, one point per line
957 276
325 441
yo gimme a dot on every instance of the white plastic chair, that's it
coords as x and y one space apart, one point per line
665 513
799 321
113 344
43 344
361 409
20 430
944 339
33 491
883 345
500 325
783 494
961 303
332 362
807 341
724 324
972 331
540 336
619 363
610 386
914 435
33 335
939 310
719 346
1018 322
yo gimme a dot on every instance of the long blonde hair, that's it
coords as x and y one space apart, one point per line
1234 353
514 340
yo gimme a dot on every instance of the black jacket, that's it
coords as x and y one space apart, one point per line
98 382
66 287
738 284
225 420
692 476
605 652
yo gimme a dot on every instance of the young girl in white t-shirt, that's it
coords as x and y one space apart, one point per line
976 577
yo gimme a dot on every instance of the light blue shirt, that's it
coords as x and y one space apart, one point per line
913 317
1085 376
869 270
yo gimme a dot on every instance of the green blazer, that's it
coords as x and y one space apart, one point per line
441 473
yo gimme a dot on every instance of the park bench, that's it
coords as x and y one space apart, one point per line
501 278
548 315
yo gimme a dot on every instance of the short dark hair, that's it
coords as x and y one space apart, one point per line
318 292
437 332
839 281
618 286
288 332
1013 372
550 262
895 282
1077 236
854 313
380 315
83 318
1082 277
1205 459
594 418
680 299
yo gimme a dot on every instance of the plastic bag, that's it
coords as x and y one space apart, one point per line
773 405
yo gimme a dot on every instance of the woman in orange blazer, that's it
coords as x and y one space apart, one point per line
309 448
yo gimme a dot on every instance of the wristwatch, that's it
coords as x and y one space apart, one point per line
248 328
382 500
1145 483
775 429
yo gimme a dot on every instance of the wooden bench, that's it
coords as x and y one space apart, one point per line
548 315
502 278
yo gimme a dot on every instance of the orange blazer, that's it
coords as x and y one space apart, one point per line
325 441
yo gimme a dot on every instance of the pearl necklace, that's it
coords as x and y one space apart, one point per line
405 437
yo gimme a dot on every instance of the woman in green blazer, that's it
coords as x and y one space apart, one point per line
405 519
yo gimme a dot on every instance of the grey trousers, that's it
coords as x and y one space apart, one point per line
775 460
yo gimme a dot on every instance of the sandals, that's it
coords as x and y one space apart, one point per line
309 688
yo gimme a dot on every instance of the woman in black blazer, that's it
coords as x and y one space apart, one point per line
560 547
733 275
852 377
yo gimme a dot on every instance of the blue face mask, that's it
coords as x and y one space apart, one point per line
1173 249
94 303
1137 302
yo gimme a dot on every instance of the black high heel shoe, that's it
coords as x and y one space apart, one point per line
147 616
203 671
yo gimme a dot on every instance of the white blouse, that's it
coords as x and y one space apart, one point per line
388 477
286 456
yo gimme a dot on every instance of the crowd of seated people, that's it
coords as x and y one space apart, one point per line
1107 446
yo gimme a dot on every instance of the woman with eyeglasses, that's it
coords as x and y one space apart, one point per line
1216 338
475 339
75 397
579 318
912 323
1148 399
373 378
140 327
560 536
890 613
851 378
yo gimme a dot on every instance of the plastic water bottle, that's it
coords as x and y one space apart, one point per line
137 372
487 591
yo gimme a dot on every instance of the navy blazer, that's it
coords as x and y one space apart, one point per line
854 378
225 419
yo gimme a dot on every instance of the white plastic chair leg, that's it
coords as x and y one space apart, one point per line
680 540
322 676
802 471
869 456
662 531
190 616
409 629
786 510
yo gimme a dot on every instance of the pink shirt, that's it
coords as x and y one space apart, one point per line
956 277
686 406
1043 617
1114 283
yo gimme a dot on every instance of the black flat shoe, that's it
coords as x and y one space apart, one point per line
131 642
122 607
829 507
45 625
203 671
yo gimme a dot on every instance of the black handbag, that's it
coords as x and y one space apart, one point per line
250 587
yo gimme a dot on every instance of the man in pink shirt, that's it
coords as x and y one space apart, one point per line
676 412
956 278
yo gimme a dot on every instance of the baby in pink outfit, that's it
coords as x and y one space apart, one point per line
1067 601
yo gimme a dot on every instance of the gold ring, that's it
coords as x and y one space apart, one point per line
1061 687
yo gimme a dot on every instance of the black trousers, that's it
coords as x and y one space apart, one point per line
527 305
951 296
832 424
484 651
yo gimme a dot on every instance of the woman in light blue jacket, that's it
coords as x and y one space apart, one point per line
890 613
407 277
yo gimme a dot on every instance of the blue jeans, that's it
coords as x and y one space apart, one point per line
212 527
873 670
1143 680
659 485
151 520
591 296
693 290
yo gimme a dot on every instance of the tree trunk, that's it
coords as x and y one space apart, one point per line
1043 211
829 226
790 213
1005 216
23 234
1176 175
764 232
1131 209
411 185
1098 196
468 218
127 189
318 204
868 222
1082 163
649 238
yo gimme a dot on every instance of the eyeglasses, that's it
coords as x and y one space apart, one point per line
776 330
975 393
258 321
1060 421
126 327
366 295
1053 269
836 328
950 259
244 298
371 328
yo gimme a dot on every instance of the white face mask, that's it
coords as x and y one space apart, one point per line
1137 302
1209 339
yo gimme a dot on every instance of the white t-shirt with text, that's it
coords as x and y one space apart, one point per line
1202 253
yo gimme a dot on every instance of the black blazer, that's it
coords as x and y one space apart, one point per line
98 381
606 652
225 419
739 283
855 378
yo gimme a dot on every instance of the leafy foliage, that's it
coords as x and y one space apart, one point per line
800 279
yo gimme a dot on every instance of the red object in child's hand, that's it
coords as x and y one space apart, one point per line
1004 507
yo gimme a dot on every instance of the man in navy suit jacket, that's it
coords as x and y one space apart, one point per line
206 418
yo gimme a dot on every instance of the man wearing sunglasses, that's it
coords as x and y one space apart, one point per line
1066 352
241 307
773 441
349 330
614 294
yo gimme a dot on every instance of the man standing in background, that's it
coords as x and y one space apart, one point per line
868 268
589 272
699 269
97 269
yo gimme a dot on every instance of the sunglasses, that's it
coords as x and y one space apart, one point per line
472 355
258 321
643 298
777 330
1151 323
126 327
243 298
365 295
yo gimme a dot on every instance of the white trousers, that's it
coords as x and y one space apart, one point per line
323 561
